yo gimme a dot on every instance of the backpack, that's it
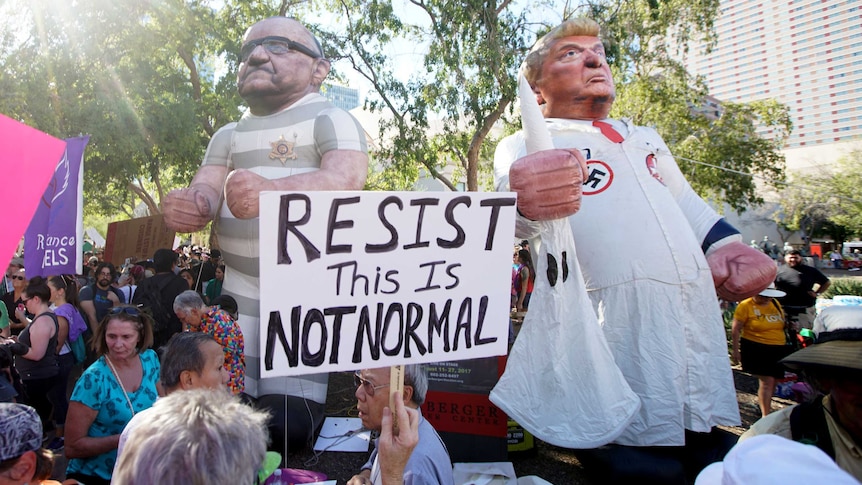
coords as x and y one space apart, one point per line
808 425
79 349
151 302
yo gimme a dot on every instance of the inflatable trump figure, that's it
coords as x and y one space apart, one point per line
651 256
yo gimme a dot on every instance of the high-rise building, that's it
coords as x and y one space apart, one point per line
806 54
341 96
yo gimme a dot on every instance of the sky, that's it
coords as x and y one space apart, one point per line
407 55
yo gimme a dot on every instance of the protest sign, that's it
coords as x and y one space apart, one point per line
353 280
137 239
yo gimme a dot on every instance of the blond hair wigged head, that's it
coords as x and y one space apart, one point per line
573 27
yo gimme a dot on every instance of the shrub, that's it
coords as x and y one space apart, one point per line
844 286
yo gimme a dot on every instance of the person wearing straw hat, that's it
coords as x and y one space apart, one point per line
652 253
759 341
833 364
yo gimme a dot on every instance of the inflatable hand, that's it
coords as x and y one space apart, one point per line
186 210
740 272
548 183
242 193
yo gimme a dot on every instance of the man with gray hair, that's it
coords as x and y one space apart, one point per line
429 462
189 361
198 317
197 436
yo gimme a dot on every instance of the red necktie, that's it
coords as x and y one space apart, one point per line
609 131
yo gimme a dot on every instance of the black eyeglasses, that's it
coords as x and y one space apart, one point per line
275 45
367 386
16 277
128 310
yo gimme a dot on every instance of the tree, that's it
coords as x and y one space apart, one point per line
137 76
826 203
444 113
468 83
149 81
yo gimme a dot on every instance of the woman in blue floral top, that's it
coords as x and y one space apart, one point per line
119 384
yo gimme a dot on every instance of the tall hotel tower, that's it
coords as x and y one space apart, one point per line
806 54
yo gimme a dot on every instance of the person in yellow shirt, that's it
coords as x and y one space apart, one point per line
758 338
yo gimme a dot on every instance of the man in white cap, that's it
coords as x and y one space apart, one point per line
832 422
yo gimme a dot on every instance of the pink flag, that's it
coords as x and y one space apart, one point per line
27 161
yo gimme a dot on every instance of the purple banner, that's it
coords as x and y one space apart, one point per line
52 243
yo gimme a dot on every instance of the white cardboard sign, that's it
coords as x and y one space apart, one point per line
353 280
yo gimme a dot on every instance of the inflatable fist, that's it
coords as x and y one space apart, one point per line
740 271
548 183
186 210
242 193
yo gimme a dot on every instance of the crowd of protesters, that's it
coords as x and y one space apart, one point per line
107 323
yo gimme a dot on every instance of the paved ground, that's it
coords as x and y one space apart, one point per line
842 273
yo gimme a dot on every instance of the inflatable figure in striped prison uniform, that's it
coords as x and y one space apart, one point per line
291 138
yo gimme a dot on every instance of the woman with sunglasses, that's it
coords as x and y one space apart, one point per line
119 384
35 350
14 301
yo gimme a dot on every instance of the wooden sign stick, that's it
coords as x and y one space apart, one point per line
396 384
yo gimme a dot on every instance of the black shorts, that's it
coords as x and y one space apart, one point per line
761 359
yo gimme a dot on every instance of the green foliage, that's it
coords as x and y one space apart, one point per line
844 286
826 203
149 81
443 113
732 143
